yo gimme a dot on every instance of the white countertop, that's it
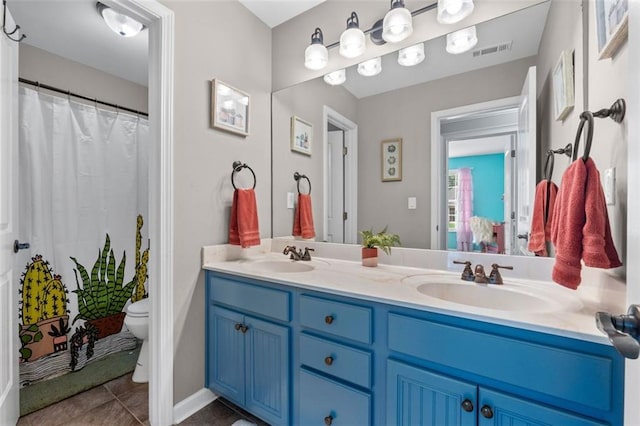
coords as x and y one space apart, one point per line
570 313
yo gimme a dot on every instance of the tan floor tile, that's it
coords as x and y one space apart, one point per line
109 414
63 411
137 402
214 414
123 384
23 421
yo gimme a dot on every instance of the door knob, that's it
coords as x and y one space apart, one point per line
524 236
17 246
622 330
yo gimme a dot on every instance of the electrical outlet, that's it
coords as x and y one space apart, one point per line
411 204
610 186
290 200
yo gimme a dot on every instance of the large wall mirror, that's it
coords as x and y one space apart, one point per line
477 101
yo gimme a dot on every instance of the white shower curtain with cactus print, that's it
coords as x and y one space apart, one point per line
83 175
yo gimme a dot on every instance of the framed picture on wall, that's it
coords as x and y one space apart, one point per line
229 108
612 25
563 90
301 135
392 160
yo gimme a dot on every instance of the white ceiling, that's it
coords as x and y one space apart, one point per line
480 146
275 12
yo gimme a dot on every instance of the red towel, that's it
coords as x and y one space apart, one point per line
541 230
243 224
581 225
303 218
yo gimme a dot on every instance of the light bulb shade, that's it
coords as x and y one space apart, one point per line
397 24
452 11
352 43
316 55
119 23
462 40
335 78
370 68
412 55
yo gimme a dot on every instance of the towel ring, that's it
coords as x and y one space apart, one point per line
586 116
238 166
297 176
548 165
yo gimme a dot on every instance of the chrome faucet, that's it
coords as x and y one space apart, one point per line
494 276
467 273
297 254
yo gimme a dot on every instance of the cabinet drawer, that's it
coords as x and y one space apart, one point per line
573 376
323 401
268 302
341 361
340 319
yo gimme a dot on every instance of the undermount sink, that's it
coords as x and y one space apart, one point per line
499 297
279 266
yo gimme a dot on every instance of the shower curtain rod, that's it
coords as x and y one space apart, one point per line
75 95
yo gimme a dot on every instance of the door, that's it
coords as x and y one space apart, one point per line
497 409
526 160
226 353
267 370
509 197
335 169
9 376
420 397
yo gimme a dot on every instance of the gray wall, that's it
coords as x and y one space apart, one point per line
305 101
39 65
221 40
406 113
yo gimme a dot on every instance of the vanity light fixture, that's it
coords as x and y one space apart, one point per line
336 78
462 40
352 40
398 23
452 11
412 55
119 23
370 68
316 55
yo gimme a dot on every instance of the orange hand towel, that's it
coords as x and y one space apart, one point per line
544 201
243 224
303 218
597 244
568 220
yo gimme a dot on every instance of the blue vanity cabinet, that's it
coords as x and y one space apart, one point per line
248 357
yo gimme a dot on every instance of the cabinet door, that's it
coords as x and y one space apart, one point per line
267 369
420 397
226 354
500 409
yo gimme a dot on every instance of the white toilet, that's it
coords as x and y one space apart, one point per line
137 321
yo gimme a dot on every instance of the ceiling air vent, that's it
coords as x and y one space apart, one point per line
496 48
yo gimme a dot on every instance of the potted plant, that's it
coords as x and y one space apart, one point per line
102 296
371 241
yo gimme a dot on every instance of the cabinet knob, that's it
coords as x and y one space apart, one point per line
244 328
467 405
328 420
238 326
328 360
328 319
486 412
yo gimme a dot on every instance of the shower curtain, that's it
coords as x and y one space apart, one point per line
464 209
83 174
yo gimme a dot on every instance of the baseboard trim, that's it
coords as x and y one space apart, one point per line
192 404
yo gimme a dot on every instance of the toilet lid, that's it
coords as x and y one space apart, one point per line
140 308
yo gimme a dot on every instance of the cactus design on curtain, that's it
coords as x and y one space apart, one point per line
141 264
43 311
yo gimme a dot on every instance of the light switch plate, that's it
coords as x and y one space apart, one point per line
609 184
290 200
411 204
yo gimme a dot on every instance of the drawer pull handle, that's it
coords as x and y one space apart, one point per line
328 420
486 412
467 405
328 319
328 360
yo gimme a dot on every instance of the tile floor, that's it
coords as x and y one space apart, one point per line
122 402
